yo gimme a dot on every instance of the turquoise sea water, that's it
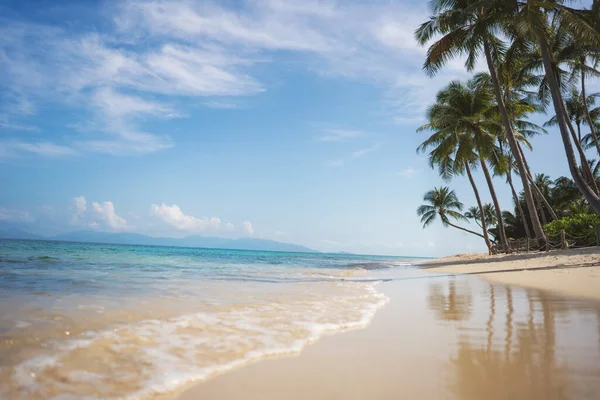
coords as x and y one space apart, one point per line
114 321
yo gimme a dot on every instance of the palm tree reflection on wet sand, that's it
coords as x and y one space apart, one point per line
534 353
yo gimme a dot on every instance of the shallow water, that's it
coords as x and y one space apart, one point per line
108 321
101 321
439 337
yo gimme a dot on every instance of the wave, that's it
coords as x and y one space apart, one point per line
156 356
375 265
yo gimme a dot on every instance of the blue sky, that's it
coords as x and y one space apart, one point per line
292 121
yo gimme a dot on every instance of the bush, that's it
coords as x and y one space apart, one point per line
580 229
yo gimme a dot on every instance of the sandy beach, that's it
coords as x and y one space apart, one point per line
530 329
573 272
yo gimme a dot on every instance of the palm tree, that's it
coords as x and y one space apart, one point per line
530 19
595 167
468 27
576 110
566 53
442 202
462 127
577 207
474 214
539 197
564 192
519 102
506 166
452 150
516 78
514 225
542 185
578 113
580 56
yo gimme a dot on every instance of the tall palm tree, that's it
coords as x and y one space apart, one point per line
442 202
584 61
468 27
576 110
539 197
462 134
543 182
566 52
519 102
578 113
451 150
506 166
530 19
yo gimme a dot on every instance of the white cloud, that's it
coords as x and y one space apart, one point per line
247 225
279 233
339 135
7 214
366 150
118 104
397 35
407 173
115 114
265 25
174 216
105 212
5 126
46 149
229 226
163 51
78 207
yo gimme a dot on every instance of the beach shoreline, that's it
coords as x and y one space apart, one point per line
399 350
571 272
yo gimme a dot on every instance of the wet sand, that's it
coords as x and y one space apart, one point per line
440 337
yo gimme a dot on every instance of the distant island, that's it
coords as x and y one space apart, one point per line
10 232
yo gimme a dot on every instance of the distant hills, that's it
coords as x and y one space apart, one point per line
10 232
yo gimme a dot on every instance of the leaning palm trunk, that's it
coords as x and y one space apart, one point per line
464 229
585 189
586 110
518 203
501 230
542 198
510 135
585 166
480 205
536 190
536 196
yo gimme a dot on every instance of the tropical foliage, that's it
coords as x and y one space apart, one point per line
580 229
540 56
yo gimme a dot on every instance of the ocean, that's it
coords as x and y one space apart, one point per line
118 321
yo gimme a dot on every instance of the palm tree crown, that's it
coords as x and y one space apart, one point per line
441 202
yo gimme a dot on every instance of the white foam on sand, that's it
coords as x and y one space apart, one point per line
167 354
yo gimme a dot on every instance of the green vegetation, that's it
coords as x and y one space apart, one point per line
540 56
579 228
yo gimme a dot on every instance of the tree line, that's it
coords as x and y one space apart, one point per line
540 55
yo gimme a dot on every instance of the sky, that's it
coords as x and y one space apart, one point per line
285 120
